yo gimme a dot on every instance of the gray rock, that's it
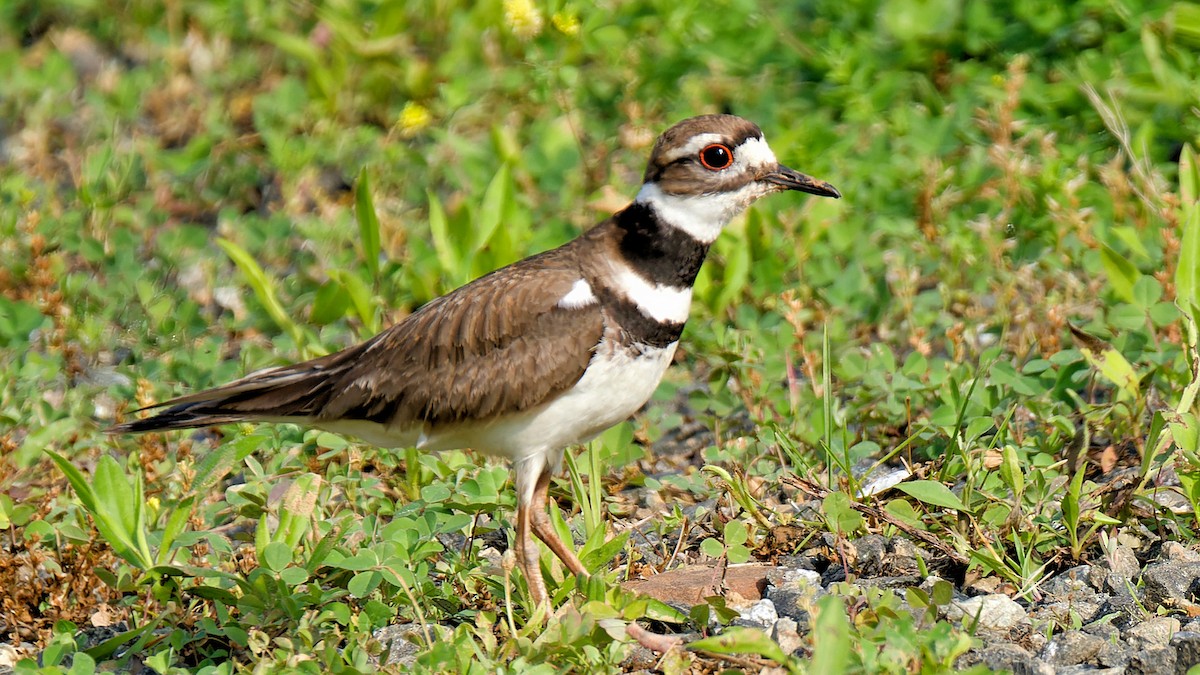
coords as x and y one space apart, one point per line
1072 648
1113 655
1176 552
1088 670
1159 660
401 650
1171 583
1153 632
1125 608
871 553
994 612
1187 650
786 633
761 614
1069 583
793 592
1114 582
1010 657
1068 613
889 582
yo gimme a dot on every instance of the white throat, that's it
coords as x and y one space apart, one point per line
701 216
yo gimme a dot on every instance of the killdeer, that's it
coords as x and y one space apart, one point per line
537 356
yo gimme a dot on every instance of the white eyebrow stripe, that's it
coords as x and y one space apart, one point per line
658 301
752 152
579 296
755 152
695 145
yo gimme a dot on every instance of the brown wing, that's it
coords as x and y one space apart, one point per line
499 344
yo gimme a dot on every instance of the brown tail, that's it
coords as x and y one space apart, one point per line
277 394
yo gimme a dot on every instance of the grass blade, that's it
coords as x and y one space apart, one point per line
263 289
368 224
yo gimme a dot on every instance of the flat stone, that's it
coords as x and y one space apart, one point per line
1072 648
401 650
1070 583
1067 613
761 614
1010 657
1156 631
994 612
786 632
1187 650
1159 660
689 586
1171 584
794 593
1177 552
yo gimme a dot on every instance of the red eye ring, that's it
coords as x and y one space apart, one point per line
716 157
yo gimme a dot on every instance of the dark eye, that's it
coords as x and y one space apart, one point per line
716 157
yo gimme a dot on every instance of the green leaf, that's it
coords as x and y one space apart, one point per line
364 582
443 244
215 465
831 637
490 212
78 482
1187 271
740 640
737 269
276 556
1122 274
121 509
1010 470
1184 20
1185 431
904 511
296 509
432 494
712 548
737 554
839 513
735 533
360 297
322 550
293 576
1111 364
263 287
363 560
1146 292
368 223
933 493
329 304
1070 507
176 523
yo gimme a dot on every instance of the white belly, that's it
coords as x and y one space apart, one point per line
615 385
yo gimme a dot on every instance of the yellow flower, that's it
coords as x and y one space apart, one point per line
413 119
523 17
567 24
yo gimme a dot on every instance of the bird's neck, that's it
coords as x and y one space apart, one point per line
703 216
660 243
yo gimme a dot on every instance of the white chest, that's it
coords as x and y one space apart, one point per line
616 384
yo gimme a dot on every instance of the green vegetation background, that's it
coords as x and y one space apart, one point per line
189 191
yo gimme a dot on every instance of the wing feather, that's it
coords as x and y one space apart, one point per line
499 344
